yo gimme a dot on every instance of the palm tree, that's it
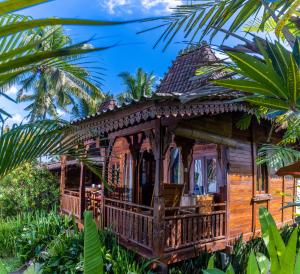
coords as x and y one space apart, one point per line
18 57
137 86
56 84
85 108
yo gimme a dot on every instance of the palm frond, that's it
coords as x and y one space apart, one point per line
277 155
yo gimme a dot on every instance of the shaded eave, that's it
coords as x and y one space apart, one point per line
292 170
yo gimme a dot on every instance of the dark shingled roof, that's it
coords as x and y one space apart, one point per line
181 83
107 105
181 77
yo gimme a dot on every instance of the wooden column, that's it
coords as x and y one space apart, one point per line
254 175
82 190
102 208
158 199
135 142
62 177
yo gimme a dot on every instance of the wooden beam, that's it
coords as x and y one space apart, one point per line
198 134
132 130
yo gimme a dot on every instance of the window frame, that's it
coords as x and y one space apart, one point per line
262 179
180 167
204 159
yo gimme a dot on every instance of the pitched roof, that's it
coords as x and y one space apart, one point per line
181 77
180 83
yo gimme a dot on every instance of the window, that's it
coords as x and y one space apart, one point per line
262 179
128 176
175 164
204 175
198 177
211 170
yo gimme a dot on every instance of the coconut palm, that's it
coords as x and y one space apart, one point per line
18 57
59 83
137 86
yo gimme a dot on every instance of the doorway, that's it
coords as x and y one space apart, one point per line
146 178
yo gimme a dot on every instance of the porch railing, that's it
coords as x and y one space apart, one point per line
70 203
131 222
185 227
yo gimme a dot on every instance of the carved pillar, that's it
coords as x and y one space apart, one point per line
158 199
82 190
135 142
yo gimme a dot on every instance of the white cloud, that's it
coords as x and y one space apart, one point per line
160 6
147 6
60 112
17 118
113 6
12 90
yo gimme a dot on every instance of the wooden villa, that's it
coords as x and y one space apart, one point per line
182 177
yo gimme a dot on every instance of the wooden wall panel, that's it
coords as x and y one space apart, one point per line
240 184
275 189
289 197
240 209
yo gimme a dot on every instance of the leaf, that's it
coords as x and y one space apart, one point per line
252 266
213 271
247 86
267 222
293 81
297 264
21 26
211 262
230 269
296 51
288 258
15 5
3 269
34 269
263 263
93 261
258 71
271 103
272 238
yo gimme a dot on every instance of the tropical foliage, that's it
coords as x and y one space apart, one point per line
137 86
20 55
55 245
29 188
198 19
266 70
59 83
283 258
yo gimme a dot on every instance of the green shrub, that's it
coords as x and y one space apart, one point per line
63 254
10 229
27 189
38 233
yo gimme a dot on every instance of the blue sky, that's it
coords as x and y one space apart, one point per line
133 50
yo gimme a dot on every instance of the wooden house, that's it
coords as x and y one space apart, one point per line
182 177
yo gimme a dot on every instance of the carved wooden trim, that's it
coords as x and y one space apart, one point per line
109 122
